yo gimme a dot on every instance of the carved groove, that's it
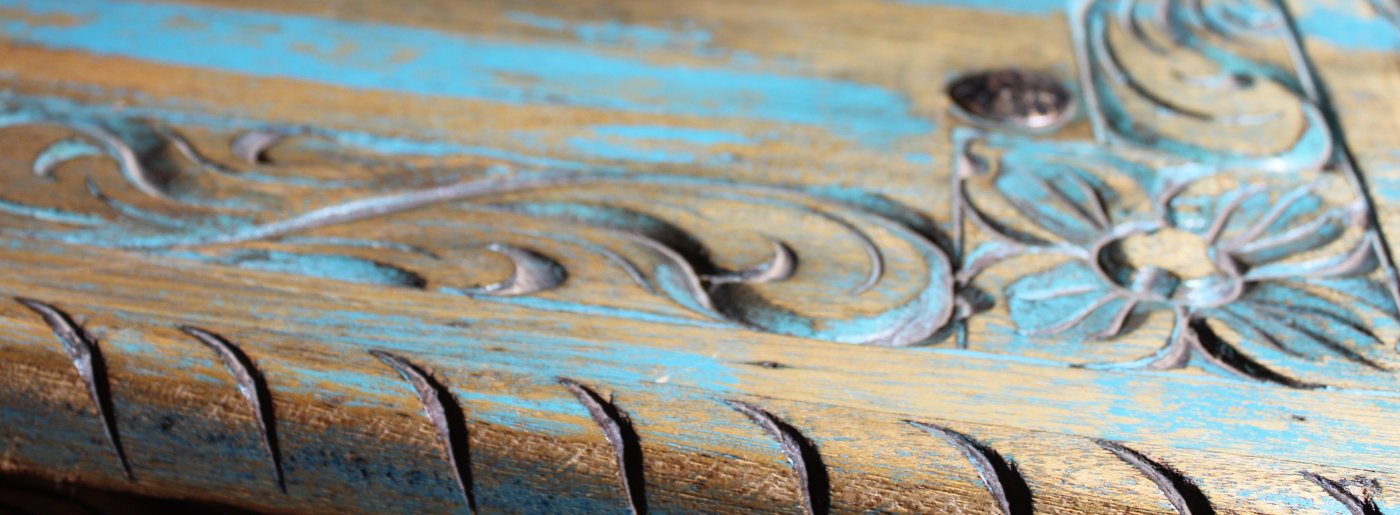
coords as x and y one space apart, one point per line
779 268
253 387
249 146
1181 492
801 453
627 447
532 273
1211 347
449 422
1003 481
87 359
1356 505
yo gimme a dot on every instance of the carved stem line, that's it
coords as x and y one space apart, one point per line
1003 481
87 359
1317 93
918 319
801 454
254 390
1356 505
1179 491
449 422
627 447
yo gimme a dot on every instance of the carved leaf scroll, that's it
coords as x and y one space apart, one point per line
1216 82
386 224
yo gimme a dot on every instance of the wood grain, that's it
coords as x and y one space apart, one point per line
711 256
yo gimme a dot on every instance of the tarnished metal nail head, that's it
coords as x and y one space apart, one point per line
1011 98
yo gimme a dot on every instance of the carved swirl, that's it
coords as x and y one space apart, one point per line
1182 493
1196 40
1356 504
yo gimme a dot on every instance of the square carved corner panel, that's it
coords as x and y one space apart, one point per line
1090 256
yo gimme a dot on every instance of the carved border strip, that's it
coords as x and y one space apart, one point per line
999 474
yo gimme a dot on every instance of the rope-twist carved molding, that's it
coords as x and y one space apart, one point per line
1000 475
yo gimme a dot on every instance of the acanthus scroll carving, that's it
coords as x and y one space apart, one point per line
386 230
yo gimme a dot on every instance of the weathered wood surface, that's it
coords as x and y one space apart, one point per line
578 256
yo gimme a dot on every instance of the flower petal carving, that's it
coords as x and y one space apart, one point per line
1286 286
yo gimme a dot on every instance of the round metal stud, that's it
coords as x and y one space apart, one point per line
1011 98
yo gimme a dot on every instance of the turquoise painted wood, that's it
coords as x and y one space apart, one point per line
1082 256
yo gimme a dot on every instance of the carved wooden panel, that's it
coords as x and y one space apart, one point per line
1080 256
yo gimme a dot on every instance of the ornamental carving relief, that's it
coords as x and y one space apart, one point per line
878 277
1216 222
1269 278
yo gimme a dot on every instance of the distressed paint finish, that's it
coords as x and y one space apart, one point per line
684 215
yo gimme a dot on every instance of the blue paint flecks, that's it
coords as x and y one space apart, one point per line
1349 28
325 266
1035 7
918 158
31 108
653 144
664 133
1385 181
590 309
426 62
615 33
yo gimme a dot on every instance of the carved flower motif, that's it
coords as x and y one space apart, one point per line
1256 276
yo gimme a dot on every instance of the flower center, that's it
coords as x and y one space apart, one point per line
1184 254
